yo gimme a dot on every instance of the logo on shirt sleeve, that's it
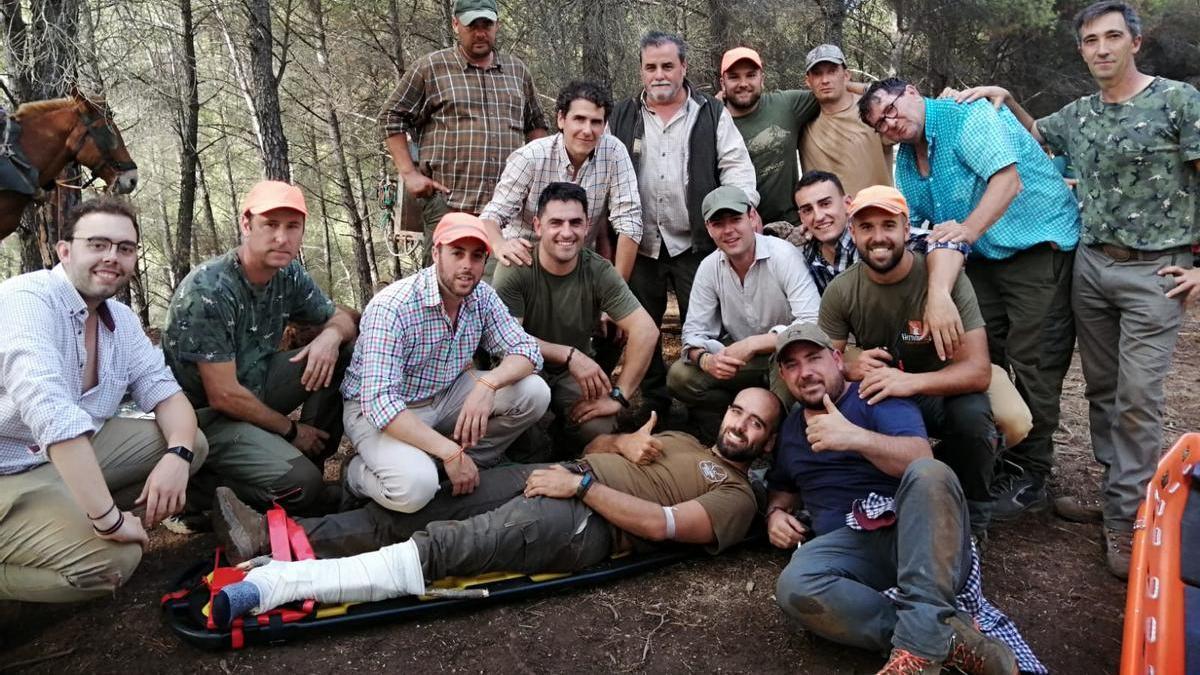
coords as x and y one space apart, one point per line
713 472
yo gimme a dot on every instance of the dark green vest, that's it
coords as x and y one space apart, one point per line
704 175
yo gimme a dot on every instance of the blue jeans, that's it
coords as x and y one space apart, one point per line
833 584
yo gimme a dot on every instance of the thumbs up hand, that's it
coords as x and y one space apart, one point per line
640 447
832 431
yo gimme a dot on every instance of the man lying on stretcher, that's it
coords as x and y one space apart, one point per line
629 490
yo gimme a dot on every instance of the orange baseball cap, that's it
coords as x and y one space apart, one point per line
883 197
458 226
273 194
737 54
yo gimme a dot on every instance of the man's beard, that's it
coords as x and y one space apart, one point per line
888 265
746 453
749 105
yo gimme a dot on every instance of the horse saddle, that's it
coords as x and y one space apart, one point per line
17 173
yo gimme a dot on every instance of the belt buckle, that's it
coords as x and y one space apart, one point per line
1118 253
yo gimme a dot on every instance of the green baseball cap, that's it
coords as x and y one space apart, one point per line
801 332
467 11
725 198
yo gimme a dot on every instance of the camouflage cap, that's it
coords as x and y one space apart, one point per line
824 53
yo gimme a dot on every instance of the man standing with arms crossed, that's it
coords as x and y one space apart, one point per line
468 107
1136 147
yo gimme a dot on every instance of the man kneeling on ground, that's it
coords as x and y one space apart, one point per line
629 491
892 564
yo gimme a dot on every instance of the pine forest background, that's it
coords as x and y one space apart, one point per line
212 96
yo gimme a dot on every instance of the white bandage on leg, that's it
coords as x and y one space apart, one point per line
390 572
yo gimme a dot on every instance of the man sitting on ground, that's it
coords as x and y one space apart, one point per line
889 561
558 299
641 489
823 207
881 301
70 468
743 294
224 329
414 402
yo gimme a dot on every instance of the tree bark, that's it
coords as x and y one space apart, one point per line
264 89
593 26
210 219
189 130
368 231
341 173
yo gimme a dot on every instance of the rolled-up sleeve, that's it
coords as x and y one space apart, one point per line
733 160
32 372
624 200
502 334
511 192
406 104
383 345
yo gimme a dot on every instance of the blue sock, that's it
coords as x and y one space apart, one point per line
233 601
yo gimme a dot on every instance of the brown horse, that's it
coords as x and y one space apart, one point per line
62 130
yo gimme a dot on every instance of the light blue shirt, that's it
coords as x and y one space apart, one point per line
968 144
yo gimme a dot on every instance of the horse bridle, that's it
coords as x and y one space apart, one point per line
99 128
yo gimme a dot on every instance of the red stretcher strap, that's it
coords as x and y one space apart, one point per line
278 530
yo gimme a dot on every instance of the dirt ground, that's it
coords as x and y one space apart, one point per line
710 615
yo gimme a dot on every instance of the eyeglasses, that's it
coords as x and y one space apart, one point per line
889 113
102 245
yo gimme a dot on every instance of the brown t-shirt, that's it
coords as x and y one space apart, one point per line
841 144
686 471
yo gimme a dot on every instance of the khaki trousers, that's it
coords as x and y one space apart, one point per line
48 550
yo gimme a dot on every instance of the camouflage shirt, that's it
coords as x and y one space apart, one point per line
217 315
1138 186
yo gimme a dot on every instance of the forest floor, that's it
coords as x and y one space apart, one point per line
706 615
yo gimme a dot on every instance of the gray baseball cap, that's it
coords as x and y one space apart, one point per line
823 53
467 11
725 198
802 332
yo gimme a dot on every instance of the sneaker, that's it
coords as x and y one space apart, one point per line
241 530
904 662
1118 549
1087 510
974 653
188 523
1017 494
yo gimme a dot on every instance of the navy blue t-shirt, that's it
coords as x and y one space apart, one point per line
829 482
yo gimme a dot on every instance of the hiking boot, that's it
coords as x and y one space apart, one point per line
241 530
1118 549
977 654
195 522
1017 494
904 662
1086 510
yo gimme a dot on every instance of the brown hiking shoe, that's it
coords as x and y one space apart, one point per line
1086 510
1118 549
241 530
977 654
904 662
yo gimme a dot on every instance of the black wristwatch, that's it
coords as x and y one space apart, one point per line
585 485
617 396
182 452
291 432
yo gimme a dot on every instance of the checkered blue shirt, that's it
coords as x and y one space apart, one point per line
846 254
607 176
43 358
990 620
408 351
967 145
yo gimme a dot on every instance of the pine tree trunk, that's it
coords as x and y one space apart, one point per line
188 138
264 89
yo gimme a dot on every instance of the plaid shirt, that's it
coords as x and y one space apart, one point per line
43 358
878 511
607 176
408 350
845 254
466 119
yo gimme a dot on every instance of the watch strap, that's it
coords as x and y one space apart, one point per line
181 452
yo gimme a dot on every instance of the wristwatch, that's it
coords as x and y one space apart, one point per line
584 485
182 452
617 396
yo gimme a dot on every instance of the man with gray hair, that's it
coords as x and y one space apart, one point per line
1136 147
684 145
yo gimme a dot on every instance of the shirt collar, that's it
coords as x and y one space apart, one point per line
462 60
558 152
760 250
74 302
